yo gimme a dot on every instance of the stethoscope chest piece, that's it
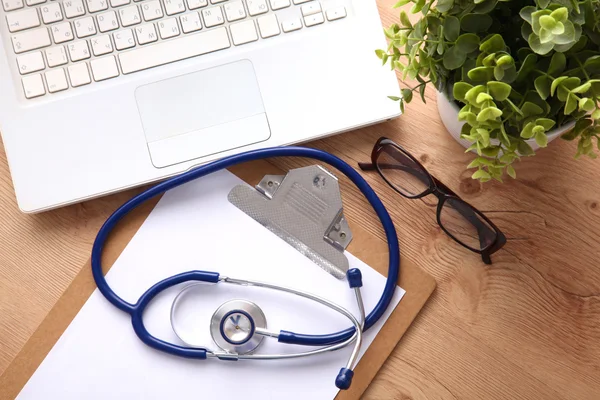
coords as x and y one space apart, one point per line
234 326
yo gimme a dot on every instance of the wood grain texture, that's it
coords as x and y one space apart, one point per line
527 327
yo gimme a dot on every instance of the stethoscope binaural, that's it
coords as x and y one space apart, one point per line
239 326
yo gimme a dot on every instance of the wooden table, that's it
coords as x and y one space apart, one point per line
526 327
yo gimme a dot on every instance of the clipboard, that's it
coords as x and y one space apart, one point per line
418 285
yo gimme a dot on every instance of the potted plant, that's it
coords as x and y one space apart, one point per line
515 72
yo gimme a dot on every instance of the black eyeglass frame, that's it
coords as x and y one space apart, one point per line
442 192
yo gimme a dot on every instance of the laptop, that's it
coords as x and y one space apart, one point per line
98 96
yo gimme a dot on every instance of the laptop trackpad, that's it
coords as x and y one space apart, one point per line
202 113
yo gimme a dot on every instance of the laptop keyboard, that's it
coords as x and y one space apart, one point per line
64 45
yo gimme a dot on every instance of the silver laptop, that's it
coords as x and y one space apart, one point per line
98 96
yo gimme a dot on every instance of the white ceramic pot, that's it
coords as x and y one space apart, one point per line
449 115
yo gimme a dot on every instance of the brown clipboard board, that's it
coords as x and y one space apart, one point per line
372 250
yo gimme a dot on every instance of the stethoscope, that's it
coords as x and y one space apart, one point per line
239 326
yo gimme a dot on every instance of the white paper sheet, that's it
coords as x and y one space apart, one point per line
195 227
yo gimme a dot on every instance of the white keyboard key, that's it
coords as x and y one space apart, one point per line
268 26
146 34
101 45
311 8
85 27
79 50
243 32
31 62
56 80
97 5
336 13
168 28
314 19
119 3
124 39
34 2
31 40
217 1
79 75
256 7
212 17
174 50
20 20
279 4
107 21
51 13
130 15
104 68
56 56
194 4
173 7
291 25
152 10
73 8
10 5
62 32
301 1
190 22
235 11
33 86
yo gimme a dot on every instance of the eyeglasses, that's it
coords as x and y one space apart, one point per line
460 220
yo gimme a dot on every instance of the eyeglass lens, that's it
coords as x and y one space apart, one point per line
465 224
402 172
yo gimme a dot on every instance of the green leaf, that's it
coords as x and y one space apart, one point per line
499 90
493 45
510 170
498 73
444 5
481 174
482 97
404 20
596 114
525 149
526 12
451 28
460 89
419 4
583 88
530 109
586 104
571 104
527 67
542 86
476 23
546 123
454 58
474 164
558 63
467 42
471 94
527 132
536 45
560 14
394 98
481 74
380 53
489 113
555 84
541 139
514 107
407 95
401 3
491 152
422 93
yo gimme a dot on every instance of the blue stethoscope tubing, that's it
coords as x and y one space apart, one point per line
136 310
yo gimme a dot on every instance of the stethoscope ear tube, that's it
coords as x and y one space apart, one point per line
136 310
